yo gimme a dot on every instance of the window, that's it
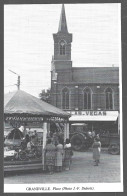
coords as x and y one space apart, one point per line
109 99
62 47
65 98
87 98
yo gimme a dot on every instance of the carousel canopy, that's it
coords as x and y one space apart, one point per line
20 102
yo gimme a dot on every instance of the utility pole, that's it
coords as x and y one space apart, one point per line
18 81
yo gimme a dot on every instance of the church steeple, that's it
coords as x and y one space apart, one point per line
62 44
62 22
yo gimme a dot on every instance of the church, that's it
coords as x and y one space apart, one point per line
89 94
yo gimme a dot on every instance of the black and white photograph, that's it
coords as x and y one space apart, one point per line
63 98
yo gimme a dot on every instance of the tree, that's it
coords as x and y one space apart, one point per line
45 95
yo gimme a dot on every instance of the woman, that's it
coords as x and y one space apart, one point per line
59 156
50 154
67 154
96 150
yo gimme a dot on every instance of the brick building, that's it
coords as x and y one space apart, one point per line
90 94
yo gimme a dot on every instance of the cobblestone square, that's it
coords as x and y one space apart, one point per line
82 171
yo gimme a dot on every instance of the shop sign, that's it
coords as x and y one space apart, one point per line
89 113
93 116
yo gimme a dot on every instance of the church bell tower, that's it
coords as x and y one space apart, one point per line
62 45
61 64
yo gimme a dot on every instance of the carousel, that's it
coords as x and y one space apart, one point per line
30 120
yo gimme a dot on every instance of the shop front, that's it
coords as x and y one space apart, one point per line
85 125
99 121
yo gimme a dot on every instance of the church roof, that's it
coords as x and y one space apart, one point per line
62 22
95 74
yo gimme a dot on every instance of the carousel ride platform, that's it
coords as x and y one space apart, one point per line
22 165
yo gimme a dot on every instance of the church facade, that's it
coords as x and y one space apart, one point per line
90 94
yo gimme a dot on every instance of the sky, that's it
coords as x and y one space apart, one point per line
28 40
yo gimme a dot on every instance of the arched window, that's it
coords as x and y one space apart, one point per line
62 47
109 99
87 98
65 98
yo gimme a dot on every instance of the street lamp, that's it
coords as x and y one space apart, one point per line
18 81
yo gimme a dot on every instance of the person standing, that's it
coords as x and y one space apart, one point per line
50 155
67 154
96 150
59 156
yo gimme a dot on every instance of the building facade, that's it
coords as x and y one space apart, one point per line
90 94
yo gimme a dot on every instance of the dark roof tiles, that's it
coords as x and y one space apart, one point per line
96 74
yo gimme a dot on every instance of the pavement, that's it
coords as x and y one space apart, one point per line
82 171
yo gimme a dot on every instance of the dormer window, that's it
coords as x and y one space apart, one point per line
62 47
